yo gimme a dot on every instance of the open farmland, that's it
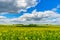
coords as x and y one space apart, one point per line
29 33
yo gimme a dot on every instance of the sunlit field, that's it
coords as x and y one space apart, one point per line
29 33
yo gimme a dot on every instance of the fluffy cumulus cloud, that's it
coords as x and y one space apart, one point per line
14 6
41 17
34 17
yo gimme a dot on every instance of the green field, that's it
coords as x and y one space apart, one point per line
29 33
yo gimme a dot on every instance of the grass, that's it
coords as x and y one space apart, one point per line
29 33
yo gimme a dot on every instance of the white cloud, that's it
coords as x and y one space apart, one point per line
34 17
55 9
14 6
2 17
41 17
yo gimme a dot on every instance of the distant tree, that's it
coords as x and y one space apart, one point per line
32 25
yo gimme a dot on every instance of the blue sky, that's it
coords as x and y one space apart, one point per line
42 6
47 5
